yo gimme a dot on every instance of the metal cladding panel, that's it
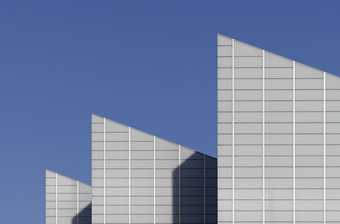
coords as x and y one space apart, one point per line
278 139
332 147
309 171
141 178
67 201
225 128
110 163
278 130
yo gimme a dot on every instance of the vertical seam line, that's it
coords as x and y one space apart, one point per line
263 138
56 198
204 194
324 149
233 130
179 184
154 179
77 197
129 174
104 166
294 153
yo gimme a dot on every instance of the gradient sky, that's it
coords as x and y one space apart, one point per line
148 64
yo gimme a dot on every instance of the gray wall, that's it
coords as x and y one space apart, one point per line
279 176
140 178
67 201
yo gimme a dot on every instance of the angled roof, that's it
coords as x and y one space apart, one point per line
67 200
67 180
137 134
273 60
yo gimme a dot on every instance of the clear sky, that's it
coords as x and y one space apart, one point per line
148 64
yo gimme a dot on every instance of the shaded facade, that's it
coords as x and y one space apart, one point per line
136 178
68 201
278 138
141 178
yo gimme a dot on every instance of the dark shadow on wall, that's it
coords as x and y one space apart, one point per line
84 216
195 192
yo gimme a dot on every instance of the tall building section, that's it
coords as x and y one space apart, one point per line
141 178
278 135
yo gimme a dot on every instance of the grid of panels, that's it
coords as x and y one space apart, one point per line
309 149
225 124
277 138
332 146
110 172
67 201
140 178
240 126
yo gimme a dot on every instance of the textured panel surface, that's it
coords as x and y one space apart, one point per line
278 132
68 201
141 178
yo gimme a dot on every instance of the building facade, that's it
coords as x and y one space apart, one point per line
278 146
141 178
68 201
137 178
278 138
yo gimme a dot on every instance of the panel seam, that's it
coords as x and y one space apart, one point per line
77 198
324 149
56 198
204 194
129 174
263 138
179 184
233 130
154 179
104 166
294 153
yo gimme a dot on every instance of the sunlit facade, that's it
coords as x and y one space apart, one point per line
278 138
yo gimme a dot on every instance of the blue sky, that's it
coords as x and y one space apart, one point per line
149 64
